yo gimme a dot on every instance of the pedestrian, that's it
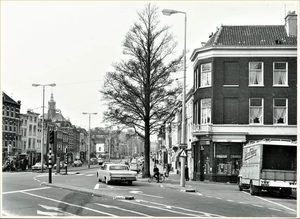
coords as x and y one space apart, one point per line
12 165
156 173
186 173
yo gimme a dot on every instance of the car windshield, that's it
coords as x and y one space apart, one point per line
118 167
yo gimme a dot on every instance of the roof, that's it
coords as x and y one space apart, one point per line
251 35
8 99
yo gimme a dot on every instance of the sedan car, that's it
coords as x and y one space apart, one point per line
77 163
116 173
38 166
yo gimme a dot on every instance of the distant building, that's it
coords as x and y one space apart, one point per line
11 134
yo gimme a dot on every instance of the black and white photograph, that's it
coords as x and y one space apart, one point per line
149 109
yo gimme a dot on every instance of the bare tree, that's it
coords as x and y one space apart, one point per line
141 91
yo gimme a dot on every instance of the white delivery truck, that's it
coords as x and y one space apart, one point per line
269 165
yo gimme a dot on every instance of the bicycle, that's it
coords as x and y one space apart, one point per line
161 178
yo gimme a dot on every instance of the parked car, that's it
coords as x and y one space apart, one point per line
61 165
77 163
93 160
134 167
38 166
116 173
100 160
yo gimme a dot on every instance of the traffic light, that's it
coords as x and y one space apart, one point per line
51 137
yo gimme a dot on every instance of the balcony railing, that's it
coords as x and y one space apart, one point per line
196 128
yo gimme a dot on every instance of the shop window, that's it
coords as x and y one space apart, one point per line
228 158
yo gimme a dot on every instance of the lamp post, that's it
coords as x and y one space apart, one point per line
42 142
183 144
89 145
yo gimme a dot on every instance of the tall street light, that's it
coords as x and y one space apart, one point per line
42 145
89 145
183 144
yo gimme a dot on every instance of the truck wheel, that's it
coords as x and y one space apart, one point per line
129 183
240 184
285 192
253 189
106 181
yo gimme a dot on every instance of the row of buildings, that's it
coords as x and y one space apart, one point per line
245 88
22 135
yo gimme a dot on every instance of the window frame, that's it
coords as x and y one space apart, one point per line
205 72
286 111
286 74
262 74
207 119
262 112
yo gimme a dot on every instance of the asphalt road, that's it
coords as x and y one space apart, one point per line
79 194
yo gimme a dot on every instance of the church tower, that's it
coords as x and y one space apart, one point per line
51 107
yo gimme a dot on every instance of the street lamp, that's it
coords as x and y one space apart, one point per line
42 145
89 145
183 144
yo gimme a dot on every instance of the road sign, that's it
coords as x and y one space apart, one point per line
183 153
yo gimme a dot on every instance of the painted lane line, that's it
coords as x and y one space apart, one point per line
219 198
258 206
26 190
229 200
141 193
185 209
66 203
96 186
277 204
90 175
208 196
274 209
159 208
172 207
122 209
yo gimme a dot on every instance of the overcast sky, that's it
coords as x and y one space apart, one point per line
74 43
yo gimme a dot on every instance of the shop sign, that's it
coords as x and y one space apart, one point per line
236 156
221 156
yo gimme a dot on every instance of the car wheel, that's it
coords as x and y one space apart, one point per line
130 183
98 178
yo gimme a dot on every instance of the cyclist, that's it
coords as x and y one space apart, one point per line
156 173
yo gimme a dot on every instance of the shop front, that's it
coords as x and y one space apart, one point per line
216 158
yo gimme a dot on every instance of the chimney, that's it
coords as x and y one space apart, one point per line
291 24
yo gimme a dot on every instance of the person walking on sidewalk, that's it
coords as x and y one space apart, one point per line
186 173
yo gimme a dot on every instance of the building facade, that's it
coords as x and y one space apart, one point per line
11 134
245 88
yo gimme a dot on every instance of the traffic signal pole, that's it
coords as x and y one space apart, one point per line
51 141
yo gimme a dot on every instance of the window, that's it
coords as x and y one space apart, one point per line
196 113
255 73
280 73
205 111
256 111
280 111
7 111
206 75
